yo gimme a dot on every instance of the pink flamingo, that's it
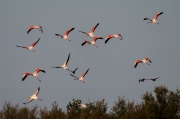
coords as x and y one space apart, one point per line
31 47
113 36
65 36
81 78
93 42
34 27
154 20
91 33
142 61
33 97
35 74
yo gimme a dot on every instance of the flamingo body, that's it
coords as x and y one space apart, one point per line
34 27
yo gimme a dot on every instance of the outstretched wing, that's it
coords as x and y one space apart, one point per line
69 30
21 46
147 19
25 75
74 76
37 91
35 42
28 101
84 74
84 33
93 29
74 70
156 16
107 38
84 42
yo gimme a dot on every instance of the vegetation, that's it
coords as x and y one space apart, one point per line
165 104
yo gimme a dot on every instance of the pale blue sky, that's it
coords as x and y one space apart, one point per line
111 73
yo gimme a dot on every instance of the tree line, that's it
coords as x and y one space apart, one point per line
161 104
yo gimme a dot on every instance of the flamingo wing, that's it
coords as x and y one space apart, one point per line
93 29
69 30
74 76
58 35
97 37
28 101
150 61
40 29
21 46
39 69
107 38
136 63
84 33
156 16
74 70
37 91
25 75
30 28
84 74
35 42
84 42
147 19
67 59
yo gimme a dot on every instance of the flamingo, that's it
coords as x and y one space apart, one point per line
155 79
65 36
84 105
33 97
141 80
64 66
35 74
34 27
154 19
74 70
31 47
93 42
142 61
113 36
81 78
91 33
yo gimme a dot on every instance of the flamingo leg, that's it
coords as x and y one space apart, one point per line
38 79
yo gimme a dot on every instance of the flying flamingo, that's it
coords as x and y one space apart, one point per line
31 47
64 66
35 74
84 105
154 79
93 42
142 80
142 61
33 97
65 36
81 78
91 33
154 19
113 36
34 27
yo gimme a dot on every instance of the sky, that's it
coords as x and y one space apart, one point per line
112 71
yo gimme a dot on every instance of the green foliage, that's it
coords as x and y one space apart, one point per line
161 104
